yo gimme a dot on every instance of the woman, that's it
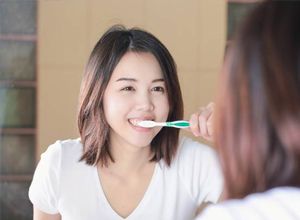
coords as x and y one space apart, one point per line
117 169
258 119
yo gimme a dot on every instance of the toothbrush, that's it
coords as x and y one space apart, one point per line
175 124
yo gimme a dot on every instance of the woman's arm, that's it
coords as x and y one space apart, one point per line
39 215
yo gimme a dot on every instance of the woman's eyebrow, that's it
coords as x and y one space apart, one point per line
126 79
158 80
134 80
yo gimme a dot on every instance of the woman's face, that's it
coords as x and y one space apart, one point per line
136 91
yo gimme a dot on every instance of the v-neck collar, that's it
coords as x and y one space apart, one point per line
139 207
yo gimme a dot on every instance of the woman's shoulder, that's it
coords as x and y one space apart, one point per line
45 187
199 170
67 149
277 203
71 145
215 211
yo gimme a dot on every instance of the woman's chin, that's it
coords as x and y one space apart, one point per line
141 142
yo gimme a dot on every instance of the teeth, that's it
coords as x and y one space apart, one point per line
135 122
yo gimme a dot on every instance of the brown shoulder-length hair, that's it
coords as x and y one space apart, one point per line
108 51
258 116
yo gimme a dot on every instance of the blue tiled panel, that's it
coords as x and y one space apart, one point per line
18 17
15 204
236 13
17 107
17 60
17 154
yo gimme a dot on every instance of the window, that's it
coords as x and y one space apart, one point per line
236 11
17 106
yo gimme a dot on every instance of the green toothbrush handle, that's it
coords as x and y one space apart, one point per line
178 124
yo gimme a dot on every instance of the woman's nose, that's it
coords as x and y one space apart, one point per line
144 103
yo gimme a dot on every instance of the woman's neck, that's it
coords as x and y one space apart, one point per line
129 160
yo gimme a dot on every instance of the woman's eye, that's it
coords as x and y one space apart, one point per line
158 89
128 88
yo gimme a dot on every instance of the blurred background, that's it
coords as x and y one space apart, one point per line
44 46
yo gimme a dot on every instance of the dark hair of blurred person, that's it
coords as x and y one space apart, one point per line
258 117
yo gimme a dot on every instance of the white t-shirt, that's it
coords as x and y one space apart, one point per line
63 185
282 203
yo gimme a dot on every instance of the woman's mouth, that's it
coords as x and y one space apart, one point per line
136 121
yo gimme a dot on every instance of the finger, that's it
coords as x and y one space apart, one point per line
209 138
203 119
210 125
194 124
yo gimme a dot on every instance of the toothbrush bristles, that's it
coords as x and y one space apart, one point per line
146 124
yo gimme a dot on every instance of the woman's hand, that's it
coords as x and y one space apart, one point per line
201 122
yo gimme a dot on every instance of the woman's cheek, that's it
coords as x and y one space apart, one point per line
163 109
114 105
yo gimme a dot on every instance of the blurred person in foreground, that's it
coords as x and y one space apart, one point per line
258 117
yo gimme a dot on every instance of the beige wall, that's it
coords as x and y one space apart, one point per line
193 30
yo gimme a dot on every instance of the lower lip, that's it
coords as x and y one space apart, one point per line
140 129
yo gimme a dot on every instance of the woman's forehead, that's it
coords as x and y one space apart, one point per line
138 66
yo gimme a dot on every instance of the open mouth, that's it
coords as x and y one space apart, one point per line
136 121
